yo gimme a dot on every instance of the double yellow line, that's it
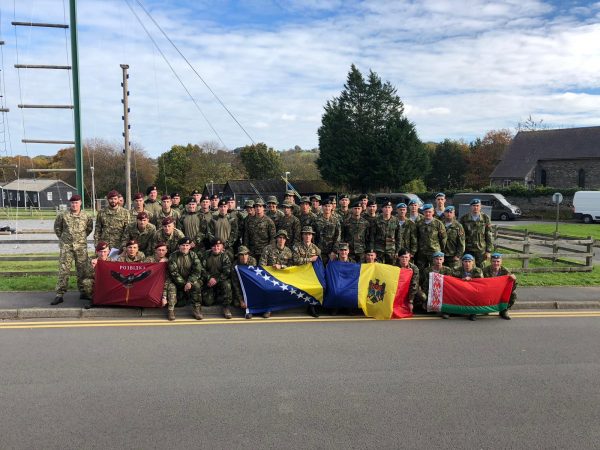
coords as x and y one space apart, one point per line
139 322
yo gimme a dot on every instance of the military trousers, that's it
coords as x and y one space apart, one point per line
220 293
68 254
386 257
194 294
450 262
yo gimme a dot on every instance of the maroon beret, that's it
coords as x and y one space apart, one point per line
138 196
101 246
167 220
142 215
75 198
166 197
112 194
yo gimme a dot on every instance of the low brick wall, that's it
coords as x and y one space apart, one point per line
542 206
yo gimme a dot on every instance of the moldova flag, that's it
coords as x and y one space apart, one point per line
268 289
380 290
479 296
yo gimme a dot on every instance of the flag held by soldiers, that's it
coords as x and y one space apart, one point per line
380 290
129 284
268 289
477 296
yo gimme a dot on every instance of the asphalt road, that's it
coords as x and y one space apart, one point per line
527 383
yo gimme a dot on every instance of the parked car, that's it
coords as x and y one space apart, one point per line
395 198
586 206
501 209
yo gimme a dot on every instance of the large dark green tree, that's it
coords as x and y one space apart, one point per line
261 162
365 141
448 165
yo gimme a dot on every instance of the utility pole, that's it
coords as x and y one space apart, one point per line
126 127
76 102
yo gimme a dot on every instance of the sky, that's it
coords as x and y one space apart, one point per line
461 68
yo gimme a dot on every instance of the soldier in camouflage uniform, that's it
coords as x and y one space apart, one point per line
214 203
102 251
72 229
152 204
290 224
111 222
315 201
385 235
166 210
467 272
176 202
496 269
278 254
408 230
260 231
291 197
218 268
355 231
414 214
370 256
142 231
437 266
186 277
343 253
194 227
344 211
455 245
370 213
225 228
138 207
306 252
160 254
205 212
415 295
479 240
198 197
431 237
307 217
364 202
243 259
272 212
440 206
168 234
249 213
132 253
328 232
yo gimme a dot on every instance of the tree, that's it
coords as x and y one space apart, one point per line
365 141
530 124
448 165
301 164
484 156
261 162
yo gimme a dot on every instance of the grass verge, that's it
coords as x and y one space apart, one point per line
571 229
32 283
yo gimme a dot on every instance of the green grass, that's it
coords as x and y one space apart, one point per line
560 278
28 266
32 283
575 229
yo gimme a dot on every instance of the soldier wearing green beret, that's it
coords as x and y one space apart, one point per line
151 203
217 289
194 226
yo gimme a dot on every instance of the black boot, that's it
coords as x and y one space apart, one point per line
504 314
311 311
58 299
472 317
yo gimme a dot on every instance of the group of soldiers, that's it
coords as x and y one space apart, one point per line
204 237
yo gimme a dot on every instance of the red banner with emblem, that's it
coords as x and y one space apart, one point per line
129 284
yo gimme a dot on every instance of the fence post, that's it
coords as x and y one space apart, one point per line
589 260
526 250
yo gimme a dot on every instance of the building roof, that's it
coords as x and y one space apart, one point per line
277 186
33 184
529 147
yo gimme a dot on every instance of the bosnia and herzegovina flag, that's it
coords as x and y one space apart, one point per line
478 296
268 289
380 290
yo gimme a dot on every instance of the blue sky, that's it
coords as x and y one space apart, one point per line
461 68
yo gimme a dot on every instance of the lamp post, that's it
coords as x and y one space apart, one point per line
286 180
212 187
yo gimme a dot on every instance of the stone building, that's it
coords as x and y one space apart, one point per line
565 158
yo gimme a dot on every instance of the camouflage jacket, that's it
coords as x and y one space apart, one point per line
356 233
152 259
111 225
328 233
302 253
208 215
73 229
133 214
291 225
343 215
275 216
186 268
408 233
194 227
414 282
152 206
488 273
478 234
272 255
475 273
160 215
259 233
431 237
143 238
171 241
307 220
455 245
385 235
217 266
224 228
124 257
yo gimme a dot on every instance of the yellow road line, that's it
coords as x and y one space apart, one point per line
141 322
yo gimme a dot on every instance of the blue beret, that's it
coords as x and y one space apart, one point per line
496 255
401 205
427 206
412 202
475 201
438 254
468 257
440 194
449 208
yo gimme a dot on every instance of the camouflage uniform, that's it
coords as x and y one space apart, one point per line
356 233
302 253
478 236
431 238
171 241
72 231
488 273
307 220
208 215
181 270
408 235
152 207
238 295
455 244
416 296
328 233
275 216
343 215
291 225
259 233
133 214
139 257
272 255
143 238
110 226
160 215
225 228
460 273
218 267
194 227
385 238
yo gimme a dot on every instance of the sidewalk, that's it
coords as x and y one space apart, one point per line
36 305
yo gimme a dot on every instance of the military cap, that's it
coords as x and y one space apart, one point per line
438 255
160 244
401 205
138 196
387 203
190 200
167 220
142 215
449 208
112 194
205 197
413 202
150 189
243 250
371 203
496 255
166 197
343 196
214 197
427 206
175 194
475 201
75 198
272 199
184 240
216 241
468 257
363 196
307 229
131 242
327 202
304 200
287 204
356 204
289 193
315 197
259 202
222 202
227 198
343 246
101 246
249 204
440 194
333 198
282 233
371 250
195 192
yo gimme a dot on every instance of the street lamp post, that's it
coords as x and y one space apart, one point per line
212 188
286 180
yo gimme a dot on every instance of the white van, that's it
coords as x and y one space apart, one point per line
586 206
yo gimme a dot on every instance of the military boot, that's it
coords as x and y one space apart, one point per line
197 311
504 314
227 312
311 311
58 299
171 315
